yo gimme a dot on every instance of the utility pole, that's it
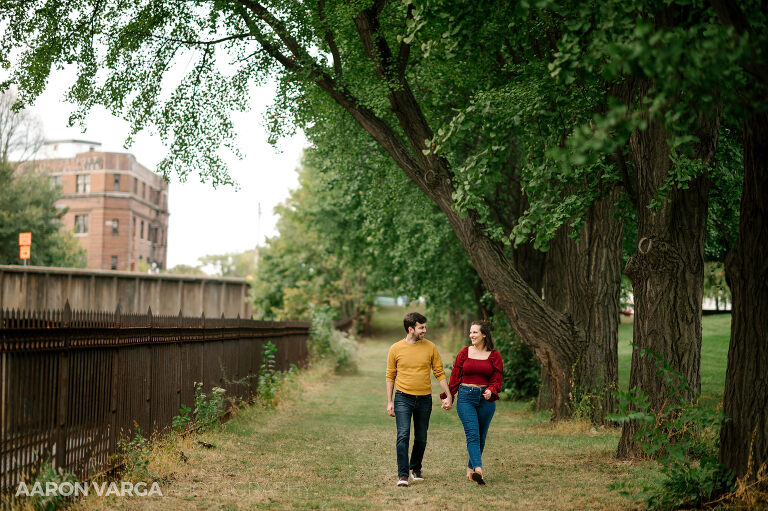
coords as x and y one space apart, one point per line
258 238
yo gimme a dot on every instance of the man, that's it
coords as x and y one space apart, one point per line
408 366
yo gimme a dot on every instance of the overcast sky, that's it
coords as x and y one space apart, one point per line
202 220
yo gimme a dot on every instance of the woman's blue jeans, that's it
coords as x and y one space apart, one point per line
475 413
420 408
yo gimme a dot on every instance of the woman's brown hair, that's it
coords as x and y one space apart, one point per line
485 329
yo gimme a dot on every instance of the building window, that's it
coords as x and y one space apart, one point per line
135 186
56 181
141 233
81 224
113 263
152 234
143 190
115 224
116 185
133 232
83 183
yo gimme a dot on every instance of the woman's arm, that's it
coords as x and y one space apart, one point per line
496 377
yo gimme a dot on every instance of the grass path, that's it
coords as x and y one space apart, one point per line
332 446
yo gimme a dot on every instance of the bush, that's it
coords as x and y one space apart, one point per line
683 438
134 454
46 474
589 403
325 342
521 369
206 410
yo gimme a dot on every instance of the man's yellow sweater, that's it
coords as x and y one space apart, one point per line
408 366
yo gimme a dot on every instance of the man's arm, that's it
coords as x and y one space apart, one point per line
448 401
439 372
390 377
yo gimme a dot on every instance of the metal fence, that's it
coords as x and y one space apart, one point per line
72 383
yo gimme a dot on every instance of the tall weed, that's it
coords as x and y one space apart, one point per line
682 437
325 342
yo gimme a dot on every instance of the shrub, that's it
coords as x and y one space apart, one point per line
682 437
134 454
46 474
589 403
206 411
327 342
521 369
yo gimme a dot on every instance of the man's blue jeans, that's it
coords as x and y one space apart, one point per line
420 408
475 413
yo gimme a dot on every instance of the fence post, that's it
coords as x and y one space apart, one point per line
204 350
239 345
113 384
181 358
148 377
63 395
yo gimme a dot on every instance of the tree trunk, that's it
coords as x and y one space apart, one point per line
667 271
551 336
583 280
744 437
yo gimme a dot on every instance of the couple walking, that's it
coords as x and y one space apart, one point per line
476 377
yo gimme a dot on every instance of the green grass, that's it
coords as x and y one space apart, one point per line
331 445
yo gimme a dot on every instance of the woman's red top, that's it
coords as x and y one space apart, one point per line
478 372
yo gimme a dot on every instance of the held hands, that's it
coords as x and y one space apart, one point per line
487 394
447 403
391 409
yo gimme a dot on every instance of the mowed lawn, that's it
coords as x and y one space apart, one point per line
331 445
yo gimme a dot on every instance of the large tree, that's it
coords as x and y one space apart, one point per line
744 436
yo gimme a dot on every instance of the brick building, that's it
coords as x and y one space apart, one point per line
117 208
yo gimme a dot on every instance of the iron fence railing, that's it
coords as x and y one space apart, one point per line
72 383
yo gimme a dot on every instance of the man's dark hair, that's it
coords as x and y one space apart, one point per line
411 319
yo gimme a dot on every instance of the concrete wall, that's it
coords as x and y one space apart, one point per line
38 288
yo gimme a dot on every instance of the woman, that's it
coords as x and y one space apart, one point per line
476 377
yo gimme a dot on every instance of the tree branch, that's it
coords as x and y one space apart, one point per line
405 50
618 157
369 121
268 47
730 14
401 99
376 47
329 39
299 53
192 42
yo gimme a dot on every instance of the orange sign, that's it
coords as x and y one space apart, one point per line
24 252
25 239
